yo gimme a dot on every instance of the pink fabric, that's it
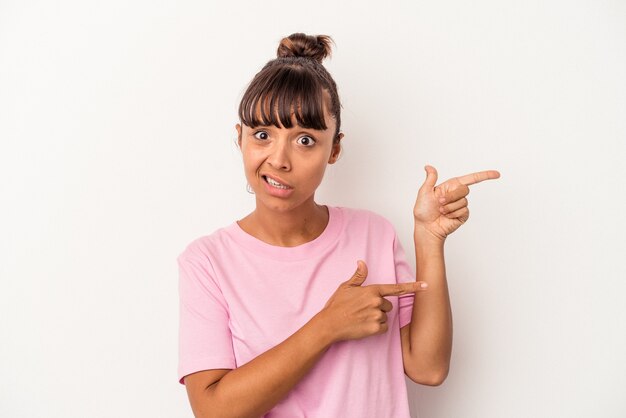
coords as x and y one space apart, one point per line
240 297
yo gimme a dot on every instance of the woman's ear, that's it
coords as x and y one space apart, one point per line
238 127
336 150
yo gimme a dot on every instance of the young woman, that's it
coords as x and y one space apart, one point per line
306 310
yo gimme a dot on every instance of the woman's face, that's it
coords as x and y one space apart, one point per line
284 166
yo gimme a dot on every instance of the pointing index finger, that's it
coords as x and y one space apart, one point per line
396 289
478 177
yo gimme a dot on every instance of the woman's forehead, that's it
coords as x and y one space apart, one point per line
271 111
330 125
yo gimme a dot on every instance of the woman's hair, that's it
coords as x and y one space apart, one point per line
293 83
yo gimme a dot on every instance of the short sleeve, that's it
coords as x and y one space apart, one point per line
205 341
404 274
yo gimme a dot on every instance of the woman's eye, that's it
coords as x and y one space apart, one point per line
261 135
307 141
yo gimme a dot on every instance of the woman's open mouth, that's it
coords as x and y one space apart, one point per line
276 188
274 183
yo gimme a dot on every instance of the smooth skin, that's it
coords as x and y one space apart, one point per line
298 158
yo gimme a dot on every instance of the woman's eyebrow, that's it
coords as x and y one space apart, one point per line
261 126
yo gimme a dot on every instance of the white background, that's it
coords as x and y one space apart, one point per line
117 149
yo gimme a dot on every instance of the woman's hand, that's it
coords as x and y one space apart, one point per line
441 210
356 311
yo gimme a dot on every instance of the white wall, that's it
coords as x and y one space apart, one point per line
117 127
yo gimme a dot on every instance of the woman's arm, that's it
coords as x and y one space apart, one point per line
352 312
427 339
439 211
254 388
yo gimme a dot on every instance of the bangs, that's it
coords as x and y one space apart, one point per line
275 97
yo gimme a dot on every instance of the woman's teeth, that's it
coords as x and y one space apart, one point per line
275 183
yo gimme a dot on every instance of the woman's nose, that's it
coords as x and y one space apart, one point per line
279 156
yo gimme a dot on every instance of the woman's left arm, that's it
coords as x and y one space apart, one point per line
439 211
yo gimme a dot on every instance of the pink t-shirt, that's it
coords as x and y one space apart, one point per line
240 296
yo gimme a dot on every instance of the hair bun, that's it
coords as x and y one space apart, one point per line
306 46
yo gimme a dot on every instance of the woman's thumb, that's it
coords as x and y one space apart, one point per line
431 178
359 275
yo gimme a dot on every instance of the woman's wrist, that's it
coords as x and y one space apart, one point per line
426 239
323 330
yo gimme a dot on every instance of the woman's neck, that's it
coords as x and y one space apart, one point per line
286 229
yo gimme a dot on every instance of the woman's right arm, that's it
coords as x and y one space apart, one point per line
254 388
352 312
